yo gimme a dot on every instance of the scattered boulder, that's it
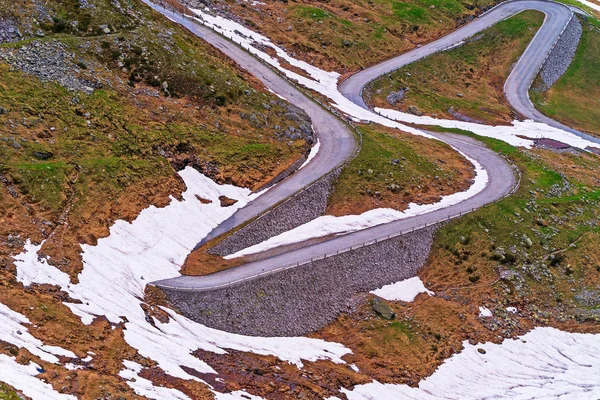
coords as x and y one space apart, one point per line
395 97
414 110
383 309
43 155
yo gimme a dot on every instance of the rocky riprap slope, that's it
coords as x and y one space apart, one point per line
306 298
50 61
297 210
561 56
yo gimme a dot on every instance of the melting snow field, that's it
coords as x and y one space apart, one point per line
406 290
548 364
153 247
543 364
331 225
592 5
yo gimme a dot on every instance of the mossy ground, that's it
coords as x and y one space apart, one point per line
7 393
394 169
469 79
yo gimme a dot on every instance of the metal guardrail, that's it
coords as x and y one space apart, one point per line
515 187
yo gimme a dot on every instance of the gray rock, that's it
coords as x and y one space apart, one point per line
414 110
395 97
43 155
382 309
561 56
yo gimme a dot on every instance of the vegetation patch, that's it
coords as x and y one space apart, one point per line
464 83
394 169
344 35
536 251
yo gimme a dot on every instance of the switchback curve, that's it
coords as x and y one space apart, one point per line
501 175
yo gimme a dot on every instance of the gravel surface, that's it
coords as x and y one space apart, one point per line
50 61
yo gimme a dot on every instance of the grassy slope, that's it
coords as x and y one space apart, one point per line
6 393
344 35
392 170
575 98
469 78
537 250
395 169
116 151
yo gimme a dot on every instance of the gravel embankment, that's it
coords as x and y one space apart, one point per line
293 212
306 298
561 56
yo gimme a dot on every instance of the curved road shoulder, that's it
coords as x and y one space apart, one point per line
501 182
337 140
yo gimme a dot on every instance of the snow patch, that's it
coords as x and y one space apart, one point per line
14 332
521 133
22 377
485 312
326 83
512 310
591 5
406 290
153 247
34 269
144 387
544 364
313 152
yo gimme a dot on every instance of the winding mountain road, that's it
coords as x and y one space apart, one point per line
517 85
338 141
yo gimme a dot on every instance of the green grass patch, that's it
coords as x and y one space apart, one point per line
393 170
312 13
466 79
410 12
7 393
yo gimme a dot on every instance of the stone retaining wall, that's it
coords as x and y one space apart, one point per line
561 56
293 212
306 298
288 171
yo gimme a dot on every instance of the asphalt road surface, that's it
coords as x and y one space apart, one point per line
338 142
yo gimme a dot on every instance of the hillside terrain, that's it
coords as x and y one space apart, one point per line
465 83
573 100
125 139
98 115
101 102
343 36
